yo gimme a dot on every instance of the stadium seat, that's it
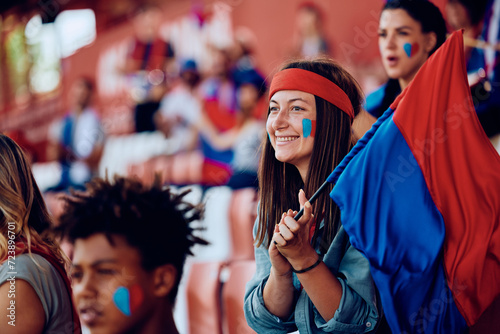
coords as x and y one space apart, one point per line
242 214
203 298
233 292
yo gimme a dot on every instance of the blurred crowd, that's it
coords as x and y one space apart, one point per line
206 121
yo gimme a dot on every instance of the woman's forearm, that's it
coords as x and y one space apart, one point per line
279 295
323 288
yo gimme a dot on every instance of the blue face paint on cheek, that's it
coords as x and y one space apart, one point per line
411 49
121 298
128 300
306 127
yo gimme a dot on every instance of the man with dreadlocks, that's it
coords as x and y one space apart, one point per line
130 245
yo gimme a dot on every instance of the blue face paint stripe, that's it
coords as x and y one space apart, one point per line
306 127
407 48
121 298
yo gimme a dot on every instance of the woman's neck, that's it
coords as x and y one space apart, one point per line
403 83
303 172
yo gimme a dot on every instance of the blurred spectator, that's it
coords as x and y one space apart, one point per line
241 52
180 108
309 40
218 94
245 138
409 32
480 21
244 68
218 91
468 15
77 141
149 58
210 164
37 298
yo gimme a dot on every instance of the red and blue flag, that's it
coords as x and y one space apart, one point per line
420 197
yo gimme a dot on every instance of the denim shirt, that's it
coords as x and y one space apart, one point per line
359 309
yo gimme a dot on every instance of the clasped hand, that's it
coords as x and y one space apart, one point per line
290 245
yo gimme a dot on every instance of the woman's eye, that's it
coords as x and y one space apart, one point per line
273 109
403 33
297 108
381 34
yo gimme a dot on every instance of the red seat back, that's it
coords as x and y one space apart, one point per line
233 293
203 298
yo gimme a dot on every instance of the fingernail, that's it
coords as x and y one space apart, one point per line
307 205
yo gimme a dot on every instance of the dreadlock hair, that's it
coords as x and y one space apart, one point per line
118 208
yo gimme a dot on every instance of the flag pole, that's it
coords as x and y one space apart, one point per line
312 199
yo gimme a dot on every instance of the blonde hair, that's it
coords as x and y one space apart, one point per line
21 204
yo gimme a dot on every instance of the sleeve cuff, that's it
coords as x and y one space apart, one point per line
259 318
352 315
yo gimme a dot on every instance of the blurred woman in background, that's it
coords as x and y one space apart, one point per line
409 32
35 293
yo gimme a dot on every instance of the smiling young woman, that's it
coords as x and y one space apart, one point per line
302 265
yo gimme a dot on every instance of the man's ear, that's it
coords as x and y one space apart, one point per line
165 277
431 41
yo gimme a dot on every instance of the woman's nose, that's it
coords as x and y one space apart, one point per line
280 121
390 41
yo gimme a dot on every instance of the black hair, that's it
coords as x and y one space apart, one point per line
426 13
252 77
153 220
475 8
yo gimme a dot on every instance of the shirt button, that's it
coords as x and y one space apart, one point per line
368 324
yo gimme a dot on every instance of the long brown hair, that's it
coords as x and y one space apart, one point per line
22 208
280 182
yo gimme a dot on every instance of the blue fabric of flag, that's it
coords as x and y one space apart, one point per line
391 189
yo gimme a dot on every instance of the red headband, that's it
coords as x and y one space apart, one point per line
310 82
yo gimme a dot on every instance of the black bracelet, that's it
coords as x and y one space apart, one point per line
308 268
